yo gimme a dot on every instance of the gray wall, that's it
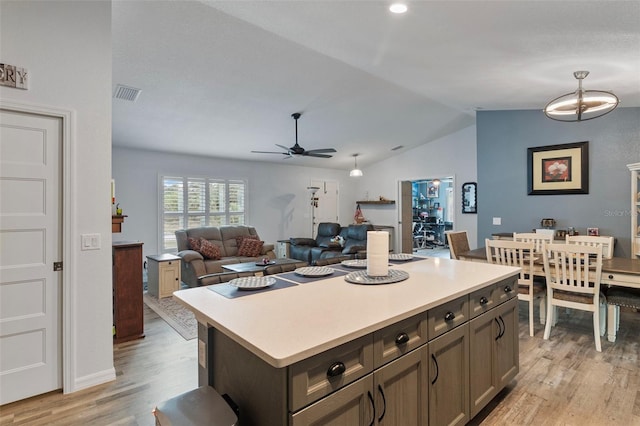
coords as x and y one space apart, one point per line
502 141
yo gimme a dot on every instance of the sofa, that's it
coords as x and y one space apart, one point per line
310 250
204 250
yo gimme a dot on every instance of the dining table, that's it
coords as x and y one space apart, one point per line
616 271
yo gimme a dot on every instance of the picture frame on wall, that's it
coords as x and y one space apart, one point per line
432 191
558 169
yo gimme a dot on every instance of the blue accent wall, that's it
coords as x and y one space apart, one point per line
502 141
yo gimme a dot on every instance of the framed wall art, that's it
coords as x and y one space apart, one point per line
558 169
469 197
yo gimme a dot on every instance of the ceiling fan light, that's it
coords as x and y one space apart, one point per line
581 105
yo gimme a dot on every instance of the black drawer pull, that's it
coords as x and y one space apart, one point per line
435 362
484 300
610 277
402 338
336 369
507 289
449 316
499 329
373 407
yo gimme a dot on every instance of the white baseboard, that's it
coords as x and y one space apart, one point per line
93 380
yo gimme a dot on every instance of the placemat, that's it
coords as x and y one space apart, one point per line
303 280
231 292
414 259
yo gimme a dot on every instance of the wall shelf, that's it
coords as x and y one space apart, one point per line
376 202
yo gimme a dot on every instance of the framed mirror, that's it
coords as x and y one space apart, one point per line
469 197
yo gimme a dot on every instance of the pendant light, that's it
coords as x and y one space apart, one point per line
356 172
581 105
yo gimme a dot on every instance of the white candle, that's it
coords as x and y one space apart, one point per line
377 253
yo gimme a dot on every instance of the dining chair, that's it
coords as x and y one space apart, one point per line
458 242
589 240
521 255
573 275
538 239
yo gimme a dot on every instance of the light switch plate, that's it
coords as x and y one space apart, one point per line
497 221
90 242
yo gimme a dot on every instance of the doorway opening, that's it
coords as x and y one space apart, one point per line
431 205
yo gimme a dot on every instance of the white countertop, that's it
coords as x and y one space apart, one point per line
287 325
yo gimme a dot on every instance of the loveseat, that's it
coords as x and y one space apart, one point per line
310 250
204 250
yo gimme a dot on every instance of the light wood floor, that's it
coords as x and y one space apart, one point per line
562 381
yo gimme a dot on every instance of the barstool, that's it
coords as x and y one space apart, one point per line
201 406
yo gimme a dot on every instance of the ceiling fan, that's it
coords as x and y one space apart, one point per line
297 149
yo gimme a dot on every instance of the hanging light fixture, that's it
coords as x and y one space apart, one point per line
356 172
582 104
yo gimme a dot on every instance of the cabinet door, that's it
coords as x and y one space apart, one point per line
401 392
350 406
449 378
507 346
483 381
169 276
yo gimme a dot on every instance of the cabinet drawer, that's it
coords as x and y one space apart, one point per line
169 266
447 316
315 377
505 290
399 338
613 278
480 301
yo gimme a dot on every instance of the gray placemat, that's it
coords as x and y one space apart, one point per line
231 292
400 262
303 280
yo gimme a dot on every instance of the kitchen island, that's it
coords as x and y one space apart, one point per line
332 351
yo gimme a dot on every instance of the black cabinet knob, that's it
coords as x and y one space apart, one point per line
484 300
449 316
508 289
336 369
402 338
610 277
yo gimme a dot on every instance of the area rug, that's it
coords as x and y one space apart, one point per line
173 313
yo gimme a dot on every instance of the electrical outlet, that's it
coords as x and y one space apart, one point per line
497 221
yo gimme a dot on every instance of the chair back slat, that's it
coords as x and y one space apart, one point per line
605 243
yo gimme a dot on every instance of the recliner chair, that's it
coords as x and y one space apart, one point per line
301 248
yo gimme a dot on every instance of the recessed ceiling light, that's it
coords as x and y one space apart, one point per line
398 8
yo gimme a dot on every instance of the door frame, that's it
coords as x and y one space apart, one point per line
68 233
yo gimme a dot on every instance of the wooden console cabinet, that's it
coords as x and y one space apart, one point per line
127 291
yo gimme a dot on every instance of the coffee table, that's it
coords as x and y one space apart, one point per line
256 269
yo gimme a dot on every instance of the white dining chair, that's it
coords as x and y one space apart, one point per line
588 240
573 275
538 239
521 255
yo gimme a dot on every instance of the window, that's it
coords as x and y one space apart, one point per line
189 202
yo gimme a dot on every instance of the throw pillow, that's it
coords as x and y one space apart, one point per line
245 237
209 250
250 248
194 243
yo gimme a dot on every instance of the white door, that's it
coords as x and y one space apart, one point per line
30 243
327 209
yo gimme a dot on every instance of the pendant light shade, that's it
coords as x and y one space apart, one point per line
581 105
356 172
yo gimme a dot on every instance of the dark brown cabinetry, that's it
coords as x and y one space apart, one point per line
127 291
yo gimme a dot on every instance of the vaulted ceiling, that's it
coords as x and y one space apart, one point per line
222 78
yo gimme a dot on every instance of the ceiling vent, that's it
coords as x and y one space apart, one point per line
126 93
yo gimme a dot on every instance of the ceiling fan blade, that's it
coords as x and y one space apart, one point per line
315 154
322 150
283 147
270 152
